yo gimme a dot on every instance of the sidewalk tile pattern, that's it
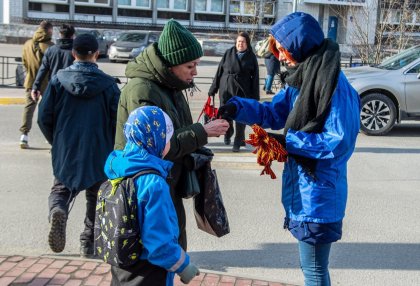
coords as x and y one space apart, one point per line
44 271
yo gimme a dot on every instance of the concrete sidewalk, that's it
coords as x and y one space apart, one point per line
40 271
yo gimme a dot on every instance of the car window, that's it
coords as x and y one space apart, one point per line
401 59
415 69
132 37
153 38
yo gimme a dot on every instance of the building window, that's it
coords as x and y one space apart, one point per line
213 6
172 5
243 8
269 9
101 2
134 3
50 1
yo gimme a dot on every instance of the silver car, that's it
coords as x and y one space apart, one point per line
389 92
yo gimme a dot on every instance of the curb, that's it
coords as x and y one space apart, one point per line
12 100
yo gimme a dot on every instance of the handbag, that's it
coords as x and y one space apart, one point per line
209 210
209 111
189 184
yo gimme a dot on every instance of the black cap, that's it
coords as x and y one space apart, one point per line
85 44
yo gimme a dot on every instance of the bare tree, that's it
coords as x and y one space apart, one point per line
393 31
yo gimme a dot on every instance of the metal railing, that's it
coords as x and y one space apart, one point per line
12 72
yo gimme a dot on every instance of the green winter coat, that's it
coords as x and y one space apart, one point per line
33 51
152 83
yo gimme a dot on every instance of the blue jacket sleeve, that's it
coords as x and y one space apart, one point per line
159 231
265 114
46 112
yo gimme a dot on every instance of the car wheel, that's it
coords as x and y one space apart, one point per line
378 114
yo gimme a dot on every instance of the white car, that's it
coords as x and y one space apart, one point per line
390 91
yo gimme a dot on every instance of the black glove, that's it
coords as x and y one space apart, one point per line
227 111
279 137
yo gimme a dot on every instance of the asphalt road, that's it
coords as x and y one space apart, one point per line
381 241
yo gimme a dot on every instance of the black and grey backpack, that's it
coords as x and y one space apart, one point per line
117 230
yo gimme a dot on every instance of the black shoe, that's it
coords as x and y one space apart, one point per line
87 249
57 235
227 141
269 92
235 148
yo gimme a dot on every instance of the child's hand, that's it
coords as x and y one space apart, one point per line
189 273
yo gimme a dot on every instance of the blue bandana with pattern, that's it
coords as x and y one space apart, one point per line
146 128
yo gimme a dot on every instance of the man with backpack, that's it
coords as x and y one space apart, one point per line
33 52
77 115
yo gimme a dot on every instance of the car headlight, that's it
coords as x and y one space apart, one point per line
137 50
112 49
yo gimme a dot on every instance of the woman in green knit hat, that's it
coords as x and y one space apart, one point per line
157 77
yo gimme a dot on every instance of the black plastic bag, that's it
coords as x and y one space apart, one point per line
210 213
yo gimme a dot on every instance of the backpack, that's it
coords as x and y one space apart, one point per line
117 230
261 48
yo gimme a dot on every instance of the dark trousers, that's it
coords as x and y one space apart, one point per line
61 197
28 112
142 273
239 133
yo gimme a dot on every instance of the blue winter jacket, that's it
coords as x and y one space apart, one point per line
304 199
159 222
77 115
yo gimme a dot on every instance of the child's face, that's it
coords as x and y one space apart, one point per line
166 150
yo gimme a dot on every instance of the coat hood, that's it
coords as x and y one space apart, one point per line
299 33
149 65
84 79
41 35
127 162
65 44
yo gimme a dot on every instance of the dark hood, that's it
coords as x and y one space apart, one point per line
150 66
65 44
84 79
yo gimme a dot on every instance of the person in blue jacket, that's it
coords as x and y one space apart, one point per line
78 117
319 111
148 131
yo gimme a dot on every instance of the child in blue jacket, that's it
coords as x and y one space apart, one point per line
148 131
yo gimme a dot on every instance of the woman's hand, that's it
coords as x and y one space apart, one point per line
216 127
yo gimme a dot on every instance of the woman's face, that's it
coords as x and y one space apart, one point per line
285 56
241 45
186 71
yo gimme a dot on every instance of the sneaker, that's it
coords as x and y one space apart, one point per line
269 92
24 141
87 249
57 235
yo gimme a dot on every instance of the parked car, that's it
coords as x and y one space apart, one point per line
390 91
102 41
130 44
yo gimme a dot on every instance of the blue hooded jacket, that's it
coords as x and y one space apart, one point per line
310 203
157 215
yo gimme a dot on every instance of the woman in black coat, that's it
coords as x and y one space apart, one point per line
237 75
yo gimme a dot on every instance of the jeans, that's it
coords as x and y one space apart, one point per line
268 82
314 263
28 112
61 197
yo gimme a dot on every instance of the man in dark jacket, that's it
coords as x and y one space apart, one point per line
56 58
33 52
77 115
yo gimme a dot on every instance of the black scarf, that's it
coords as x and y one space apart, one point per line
316 78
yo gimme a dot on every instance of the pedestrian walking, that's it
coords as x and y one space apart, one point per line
33 52
272 64
148 132
237 75
319 111
77 115
158 76
55 58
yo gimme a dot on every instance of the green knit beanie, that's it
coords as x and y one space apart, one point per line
178 45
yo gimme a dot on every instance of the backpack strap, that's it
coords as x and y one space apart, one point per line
144 172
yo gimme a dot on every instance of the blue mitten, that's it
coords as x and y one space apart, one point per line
189 273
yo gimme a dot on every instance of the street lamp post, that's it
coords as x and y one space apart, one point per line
294 6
